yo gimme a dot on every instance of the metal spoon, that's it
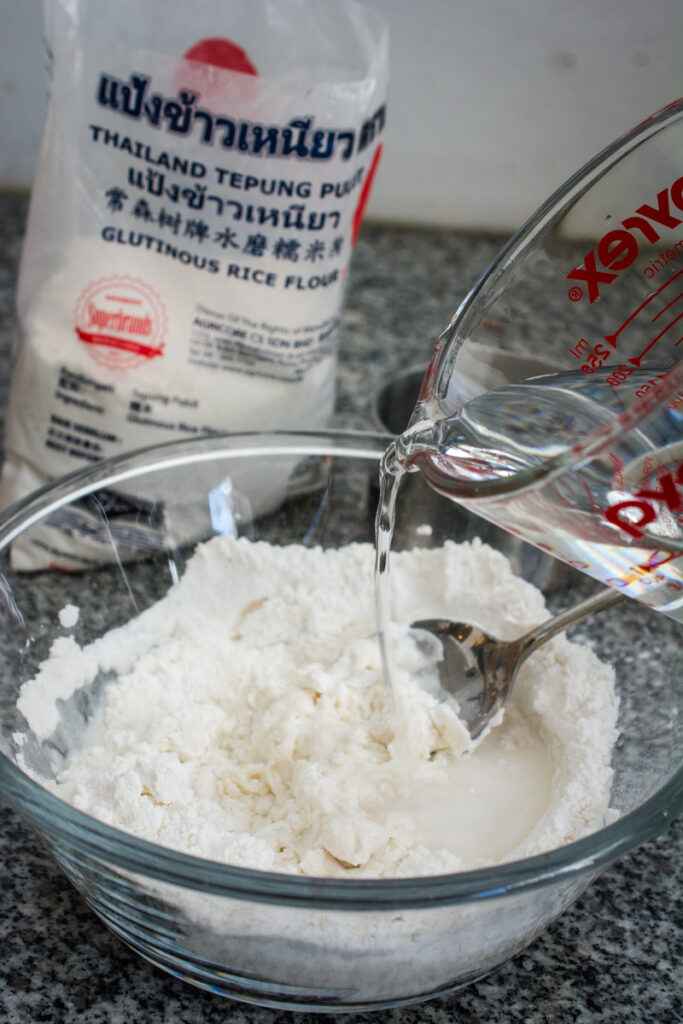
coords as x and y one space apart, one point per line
479 670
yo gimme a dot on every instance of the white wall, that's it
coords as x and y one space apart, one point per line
23 89
493 103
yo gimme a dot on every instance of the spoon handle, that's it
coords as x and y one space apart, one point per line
571 617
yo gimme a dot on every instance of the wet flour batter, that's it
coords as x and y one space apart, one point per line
248 722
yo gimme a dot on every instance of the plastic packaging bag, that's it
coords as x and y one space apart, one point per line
203 176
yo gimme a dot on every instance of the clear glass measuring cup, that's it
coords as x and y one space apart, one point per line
586 462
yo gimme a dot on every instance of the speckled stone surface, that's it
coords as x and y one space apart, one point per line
612 958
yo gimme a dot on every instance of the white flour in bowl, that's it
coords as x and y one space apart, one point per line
248 722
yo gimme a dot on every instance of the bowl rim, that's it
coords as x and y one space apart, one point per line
57 820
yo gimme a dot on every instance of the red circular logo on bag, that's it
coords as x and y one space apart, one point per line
122 321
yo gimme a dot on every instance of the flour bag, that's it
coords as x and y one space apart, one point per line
203 176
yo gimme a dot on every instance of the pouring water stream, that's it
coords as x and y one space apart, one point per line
476 669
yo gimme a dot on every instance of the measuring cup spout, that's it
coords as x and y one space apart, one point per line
573 439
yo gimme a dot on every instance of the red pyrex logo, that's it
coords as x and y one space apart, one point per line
618 248
637 512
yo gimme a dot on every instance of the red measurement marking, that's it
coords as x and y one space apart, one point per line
636 359
677 299
657 559
611 339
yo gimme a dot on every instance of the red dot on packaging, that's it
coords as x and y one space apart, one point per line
221 53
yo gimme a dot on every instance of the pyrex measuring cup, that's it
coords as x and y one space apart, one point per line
586 462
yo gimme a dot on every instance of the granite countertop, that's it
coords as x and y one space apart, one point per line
611 958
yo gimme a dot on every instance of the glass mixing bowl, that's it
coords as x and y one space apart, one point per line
275 939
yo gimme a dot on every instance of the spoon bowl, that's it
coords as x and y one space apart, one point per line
480 670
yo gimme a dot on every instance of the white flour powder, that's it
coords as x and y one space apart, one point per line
248 723
68 616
